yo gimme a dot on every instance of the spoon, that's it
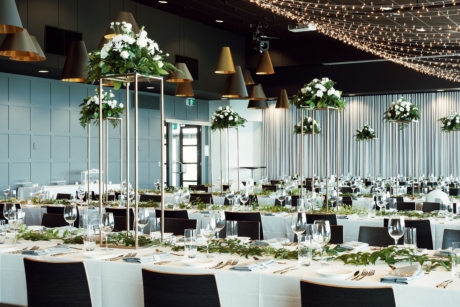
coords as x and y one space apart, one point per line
356 273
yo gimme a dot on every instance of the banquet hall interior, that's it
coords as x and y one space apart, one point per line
280 137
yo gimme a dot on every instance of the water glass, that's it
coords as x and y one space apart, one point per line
455 259
410 238
155 228
304 250
2 232
190 244
232 229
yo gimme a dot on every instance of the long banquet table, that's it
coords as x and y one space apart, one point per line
120 284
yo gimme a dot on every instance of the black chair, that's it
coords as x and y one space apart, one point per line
167 289
348 190
449 236
269 187
199 187
416 189
314 294
177 226
149 197
60 210
245 229
336 234
173 214
63 196
51 220
120 223
2 217
405 206
203 197
120 211
376 236
454 191
428 207
332 218
86 196
56 284
424 237
275 182
111 197
246 216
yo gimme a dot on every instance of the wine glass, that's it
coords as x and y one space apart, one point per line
6 191
244 199
281 196
230 196
6 210
396 228
107 226
186 198
70 215
207 230
81 193
220 222
299 223
321 235
14 220
142 218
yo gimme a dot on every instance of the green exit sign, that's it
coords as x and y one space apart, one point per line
190 101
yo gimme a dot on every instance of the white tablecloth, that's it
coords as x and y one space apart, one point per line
52 190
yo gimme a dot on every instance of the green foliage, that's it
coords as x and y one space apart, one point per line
318 94
402 111
90 109
225 117
308 125
450 123
366 133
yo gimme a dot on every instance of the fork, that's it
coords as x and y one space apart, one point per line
117 257
224 265
444 283
235 262
215 266
363 273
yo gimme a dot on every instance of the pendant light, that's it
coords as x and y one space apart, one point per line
40 57
181 75
75 63
265 67
257 99
120 17
247 77
10 22
283 100
18 44
234 85
225 64
184 89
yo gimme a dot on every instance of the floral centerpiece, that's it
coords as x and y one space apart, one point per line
110 108
366 133
127 52
318 94
308 124
225 117
451 123
402 111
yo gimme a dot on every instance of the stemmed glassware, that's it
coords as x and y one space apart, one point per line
107 226
207 230
142 218
230 196
186 198
321 235
15 220
244 198
70 215
220 222
281 195
396 228
299 223
6 191
81 193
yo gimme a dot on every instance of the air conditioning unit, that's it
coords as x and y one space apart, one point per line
300 27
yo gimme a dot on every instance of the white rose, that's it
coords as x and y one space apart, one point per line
236 118
228 108
104 54
121 105
318 85
221 116
111 94
315 80
156 58
319 93
308 88
397 112
331 92
213 118
309 119
220 109
160 64
230 118
337 94
141 42
303 90
124 54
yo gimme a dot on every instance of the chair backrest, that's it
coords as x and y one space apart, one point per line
60 210
86 195
319 295
336 234
120 211
56 284
120 223
449 236
416 189
294 199
147 197
167 289
375 236
275 182
177 226
245 229
63 196
199 187
406 206
346 190
332 218
204 198
246 216
52 220
173 214
269 187
424 237
454 191
428 207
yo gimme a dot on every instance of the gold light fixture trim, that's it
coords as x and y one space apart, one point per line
38 58
120 17
75 64
181 75
18 45
225 63
265 66
283 100
257 93
234 85
10 22
247 77
184 89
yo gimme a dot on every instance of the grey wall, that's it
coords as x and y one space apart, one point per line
41 138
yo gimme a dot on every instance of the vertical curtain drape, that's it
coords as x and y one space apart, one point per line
434 152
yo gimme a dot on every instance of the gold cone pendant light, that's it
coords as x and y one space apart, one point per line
265 67
257 99
181 75
283 100
40 57
184 89
10 22
225 64
18 44
234 85
75 63
120 17
247 77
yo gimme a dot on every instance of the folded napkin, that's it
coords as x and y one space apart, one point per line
36 252
269 214
140 259
275 242
254 266
343 217
59 249
353 217
353 245
443 252
205 212
404 275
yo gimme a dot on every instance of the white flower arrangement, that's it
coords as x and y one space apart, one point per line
366 133
451 123
110 108
319 94
308 126
402 111
225 117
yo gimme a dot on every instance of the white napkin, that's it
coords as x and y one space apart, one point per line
404 275
354 245
443 252
58 249
140 259
353 217
254 266
275 242
36 252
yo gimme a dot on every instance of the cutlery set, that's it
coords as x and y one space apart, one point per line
364 273
24 249
221 264
445 283
121 257
285 270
